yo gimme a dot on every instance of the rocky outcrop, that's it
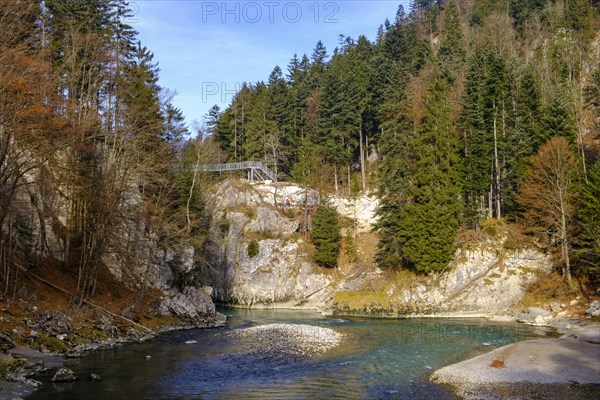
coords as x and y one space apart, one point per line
191 304
594 309
486 280
134 251
530 369
535 316
281 270
488 277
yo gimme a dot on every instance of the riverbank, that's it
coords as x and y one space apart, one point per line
19 366
543 368
39 332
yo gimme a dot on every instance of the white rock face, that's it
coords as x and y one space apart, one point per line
362 209
479 281
280 272
488 279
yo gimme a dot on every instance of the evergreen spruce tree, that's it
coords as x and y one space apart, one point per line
559 116
452 50
326 236
174 129
477 143
429 219
589 217
212 120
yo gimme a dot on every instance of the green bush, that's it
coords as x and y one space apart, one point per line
326 236
253 248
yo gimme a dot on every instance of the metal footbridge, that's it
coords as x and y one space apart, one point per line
257 171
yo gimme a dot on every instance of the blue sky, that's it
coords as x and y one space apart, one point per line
206 49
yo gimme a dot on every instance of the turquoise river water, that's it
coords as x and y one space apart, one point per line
379 359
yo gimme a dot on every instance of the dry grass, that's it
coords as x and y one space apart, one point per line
492 230
381 292
547 288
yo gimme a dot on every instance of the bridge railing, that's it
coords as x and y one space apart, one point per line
252 165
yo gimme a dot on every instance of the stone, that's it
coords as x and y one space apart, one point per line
6 344
594 309
95 377
555 307
24 294
535 316
573 302
586 333
64 374
190 304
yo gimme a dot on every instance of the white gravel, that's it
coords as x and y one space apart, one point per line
288 339
543 361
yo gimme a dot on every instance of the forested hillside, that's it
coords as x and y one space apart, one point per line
87 143
459 111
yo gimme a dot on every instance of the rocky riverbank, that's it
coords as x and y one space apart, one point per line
562 368
34 339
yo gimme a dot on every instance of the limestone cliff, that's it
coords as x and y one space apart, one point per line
137 256
281 270
488 274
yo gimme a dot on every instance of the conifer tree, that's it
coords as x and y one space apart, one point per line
589 217
430 217
426 200
326 236
452 51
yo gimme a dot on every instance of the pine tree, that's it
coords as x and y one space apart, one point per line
559 116
430 217
174 129
589 217
319 54
423 206
326 236
212 121
452 50
477 143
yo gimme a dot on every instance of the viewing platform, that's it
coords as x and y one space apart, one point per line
257 171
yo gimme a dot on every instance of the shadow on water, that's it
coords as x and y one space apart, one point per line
378 359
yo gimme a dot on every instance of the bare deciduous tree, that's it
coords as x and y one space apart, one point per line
548 195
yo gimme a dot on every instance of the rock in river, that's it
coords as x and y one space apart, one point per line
64 375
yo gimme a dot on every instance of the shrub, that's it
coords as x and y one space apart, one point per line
253 248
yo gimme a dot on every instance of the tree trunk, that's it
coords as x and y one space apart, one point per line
362 161
564 239
496 168
349 181
335 178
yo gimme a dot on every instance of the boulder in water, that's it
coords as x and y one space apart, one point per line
64 375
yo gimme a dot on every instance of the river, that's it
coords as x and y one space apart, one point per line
378 359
